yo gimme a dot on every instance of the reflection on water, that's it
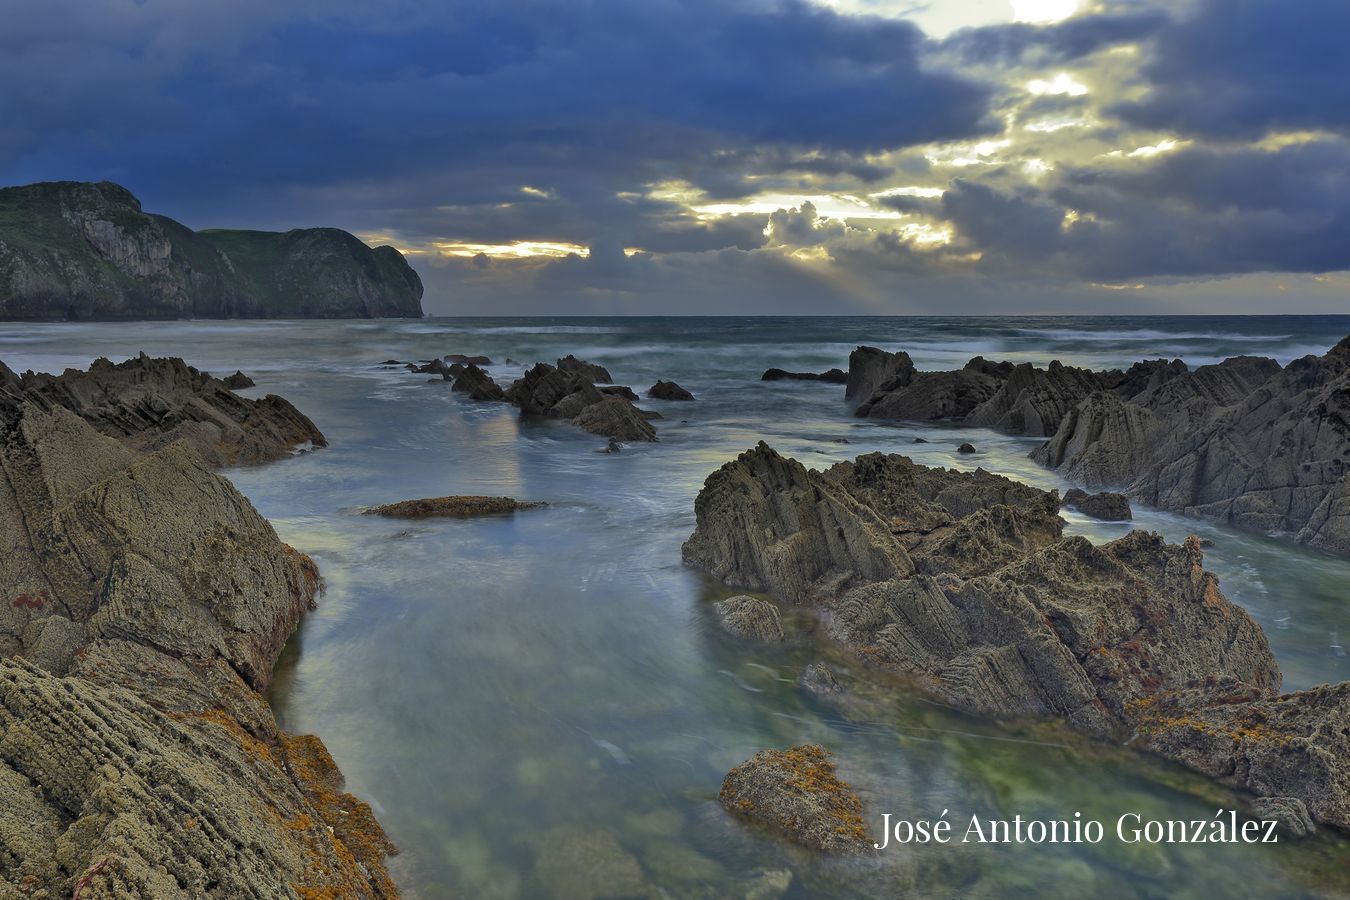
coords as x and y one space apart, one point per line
540 705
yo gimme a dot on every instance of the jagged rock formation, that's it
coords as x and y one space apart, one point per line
457 507
150 403
1016 398
797 793
833 376
76 250
1243 442
143 604
964 583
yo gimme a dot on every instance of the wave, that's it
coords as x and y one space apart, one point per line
1146 334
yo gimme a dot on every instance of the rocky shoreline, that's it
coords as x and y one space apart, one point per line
146 603
964 584
1244 442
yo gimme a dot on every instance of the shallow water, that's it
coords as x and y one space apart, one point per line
512 692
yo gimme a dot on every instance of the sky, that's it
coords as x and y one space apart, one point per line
633 157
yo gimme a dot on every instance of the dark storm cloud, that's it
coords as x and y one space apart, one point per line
313 95
1203 211
1242 68
1025 44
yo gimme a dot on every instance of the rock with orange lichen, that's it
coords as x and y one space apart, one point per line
147 604
797 793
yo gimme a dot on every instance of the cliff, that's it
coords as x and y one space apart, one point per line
82 251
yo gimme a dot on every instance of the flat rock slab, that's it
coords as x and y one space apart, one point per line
457 507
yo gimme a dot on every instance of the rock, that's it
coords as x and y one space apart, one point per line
477 384
587 865
457 507
616 418
468 360
1243 442
833 376
566 392
1105 505
150 403
620 390
1290 746
1288 811
143 604
818 680
796 793
1019 399
966 448
668 390
769 885
596 374
919 440
612 447
76 250
963 582
238 381
750 618
869 369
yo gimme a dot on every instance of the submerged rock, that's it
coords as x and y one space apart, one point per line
1105 505
964 583
966 448
145 603
574 864
833 376
818 680
797 793
459 507
668 390
150 403
750 618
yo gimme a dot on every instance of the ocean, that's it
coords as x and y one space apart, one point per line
542 705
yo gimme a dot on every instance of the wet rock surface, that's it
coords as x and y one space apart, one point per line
1108 506
145 603
833 376
1242 442
796 792
150 403
574 391
964 583
668 390
750 618
459 507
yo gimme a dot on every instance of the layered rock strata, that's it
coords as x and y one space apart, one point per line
964 583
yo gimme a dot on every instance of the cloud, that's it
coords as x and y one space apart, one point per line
1244 68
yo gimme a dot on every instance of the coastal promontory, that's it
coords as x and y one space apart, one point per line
74 250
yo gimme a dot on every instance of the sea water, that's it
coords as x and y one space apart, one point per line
542 705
